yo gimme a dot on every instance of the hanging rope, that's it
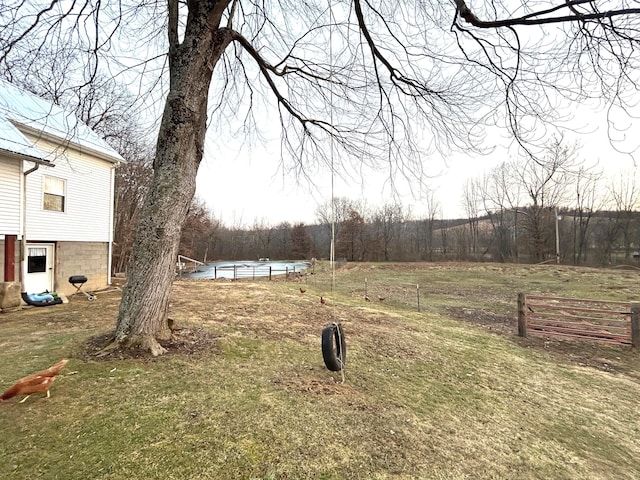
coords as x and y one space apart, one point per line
332 253
333 206
341 341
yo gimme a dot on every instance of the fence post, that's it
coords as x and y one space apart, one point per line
215 272
270 272
522 315
418 295
635 325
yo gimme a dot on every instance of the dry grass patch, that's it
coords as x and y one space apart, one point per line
448 392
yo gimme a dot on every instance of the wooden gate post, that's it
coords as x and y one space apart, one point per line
522 315
635 325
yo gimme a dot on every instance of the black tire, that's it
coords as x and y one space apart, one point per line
334 347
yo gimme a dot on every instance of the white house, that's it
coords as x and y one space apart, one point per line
56 197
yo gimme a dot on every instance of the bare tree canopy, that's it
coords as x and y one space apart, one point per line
382 84
550 54
402 80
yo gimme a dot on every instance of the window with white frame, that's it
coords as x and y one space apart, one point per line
54 194
37 260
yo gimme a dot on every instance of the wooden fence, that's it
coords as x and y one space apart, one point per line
581 319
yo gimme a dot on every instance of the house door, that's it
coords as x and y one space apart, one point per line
40 261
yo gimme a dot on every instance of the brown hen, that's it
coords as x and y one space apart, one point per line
36 382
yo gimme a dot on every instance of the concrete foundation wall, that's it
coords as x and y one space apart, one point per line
81 258
90 259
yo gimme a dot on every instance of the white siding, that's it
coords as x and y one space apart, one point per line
9 196
87 201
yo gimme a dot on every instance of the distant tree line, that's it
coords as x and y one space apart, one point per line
389 234
524 210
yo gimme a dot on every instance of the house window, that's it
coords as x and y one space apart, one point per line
37 260
54 194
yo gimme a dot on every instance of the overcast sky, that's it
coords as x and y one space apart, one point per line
241 188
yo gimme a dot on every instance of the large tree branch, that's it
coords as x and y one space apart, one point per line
173 24
397 77
267 71
545 16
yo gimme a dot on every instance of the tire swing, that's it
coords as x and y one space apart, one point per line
334 347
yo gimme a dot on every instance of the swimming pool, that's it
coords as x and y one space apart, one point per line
247 269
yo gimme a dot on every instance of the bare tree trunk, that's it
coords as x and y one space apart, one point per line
142 318
145 301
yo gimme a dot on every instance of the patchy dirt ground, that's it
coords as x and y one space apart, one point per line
184 341
501 324
583 353
204 311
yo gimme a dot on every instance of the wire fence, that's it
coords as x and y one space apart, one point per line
252 272
239 271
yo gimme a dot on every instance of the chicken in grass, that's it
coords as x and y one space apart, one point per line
34 383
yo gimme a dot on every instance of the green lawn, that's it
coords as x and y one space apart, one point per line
447 392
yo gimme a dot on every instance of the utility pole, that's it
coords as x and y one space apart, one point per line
557 236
